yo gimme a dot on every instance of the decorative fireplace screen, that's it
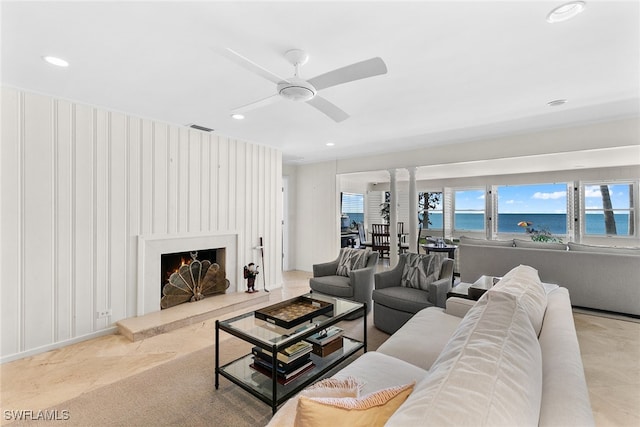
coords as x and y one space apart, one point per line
193 281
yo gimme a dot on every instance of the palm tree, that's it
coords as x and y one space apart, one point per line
609 219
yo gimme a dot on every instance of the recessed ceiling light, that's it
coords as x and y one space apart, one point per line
330 144
556 102
237 116
56 61
565 11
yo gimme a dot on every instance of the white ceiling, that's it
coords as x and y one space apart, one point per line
456 70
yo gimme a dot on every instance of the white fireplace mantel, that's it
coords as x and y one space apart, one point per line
150 249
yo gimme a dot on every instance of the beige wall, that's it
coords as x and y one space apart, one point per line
80 184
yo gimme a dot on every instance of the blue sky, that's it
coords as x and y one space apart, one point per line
540 198
619 196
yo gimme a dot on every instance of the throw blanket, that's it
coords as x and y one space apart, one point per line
420 271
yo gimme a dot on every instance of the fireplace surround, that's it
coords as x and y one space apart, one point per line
151 248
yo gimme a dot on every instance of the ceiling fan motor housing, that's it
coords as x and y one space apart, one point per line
296 89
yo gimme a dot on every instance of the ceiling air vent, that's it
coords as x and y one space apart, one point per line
202 128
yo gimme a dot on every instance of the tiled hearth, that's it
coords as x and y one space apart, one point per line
162 321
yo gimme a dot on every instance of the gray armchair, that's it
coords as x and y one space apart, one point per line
358 286
395 304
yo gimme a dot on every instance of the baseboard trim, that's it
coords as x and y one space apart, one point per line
17 356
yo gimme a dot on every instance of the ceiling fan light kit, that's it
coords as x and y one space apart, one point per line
297 89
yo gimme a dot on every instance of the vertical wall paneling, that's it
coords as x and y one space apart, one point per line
63 152
172 180
132 144
160 178
118 217
146 177
183 181
101 212
11 225
81 184
38 219
214 182
205 182
223 188
83 221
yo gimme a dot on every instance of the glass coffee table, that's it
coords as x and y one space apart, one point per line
272 336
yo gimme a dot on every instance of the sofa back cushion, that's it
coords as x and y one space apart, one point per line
524 283
578 247
530 244
489 373
464 240
420 270
351 259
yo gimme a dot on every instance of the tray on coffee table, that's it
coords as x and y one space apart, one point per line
294 312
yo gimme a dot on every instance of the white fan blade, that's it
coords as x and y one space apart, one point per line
247 64
359 70
256 104
328 108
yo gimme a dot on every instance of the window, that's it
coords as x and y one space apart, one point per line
469 210
430 210
608 209
533 209
353 207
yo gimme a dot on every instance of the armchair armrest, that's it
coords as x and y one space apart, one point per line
438 292
326 268
362 284
458 306
389 278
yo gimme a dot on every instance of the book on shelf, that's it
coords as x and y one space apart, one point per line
266 354
283 372
294 349
281 379
325 336
283 367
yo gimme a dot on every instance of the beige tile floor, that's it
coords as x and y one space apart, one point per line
610 350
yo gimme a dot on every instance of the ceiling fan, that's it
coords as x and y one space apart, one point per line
297 89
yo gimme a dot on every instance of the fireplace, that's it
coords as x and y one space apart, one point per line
191 276
151 248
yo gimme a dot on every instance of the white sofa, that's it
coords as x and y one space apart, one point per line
481 363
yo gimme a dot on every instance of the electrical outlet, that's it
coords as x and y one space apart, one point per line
104 313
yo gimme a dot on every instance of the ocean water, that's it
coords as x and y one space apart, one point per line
555 223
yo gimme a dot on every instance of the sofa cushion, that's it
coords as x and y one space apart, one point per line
371 410
464 240
489 373
328 387
519 243
339 286
524 283
409 300
578 247
422 339
351 259
420 270
375 371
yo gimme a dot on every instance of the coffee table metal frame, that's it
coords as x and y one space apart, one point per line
274 339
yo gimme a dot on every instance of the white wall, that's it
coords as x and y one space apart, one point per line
79 184
317 237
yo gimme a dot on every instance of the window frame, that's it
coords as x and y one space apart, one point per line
454 210
582 186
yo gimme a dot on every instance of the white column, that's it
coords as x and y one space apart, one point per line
393 219
413 212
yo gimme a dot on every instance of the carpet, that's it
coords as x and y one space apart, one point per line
181 392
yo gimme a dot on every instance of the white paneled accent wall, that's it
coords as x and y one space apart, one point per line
80 184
